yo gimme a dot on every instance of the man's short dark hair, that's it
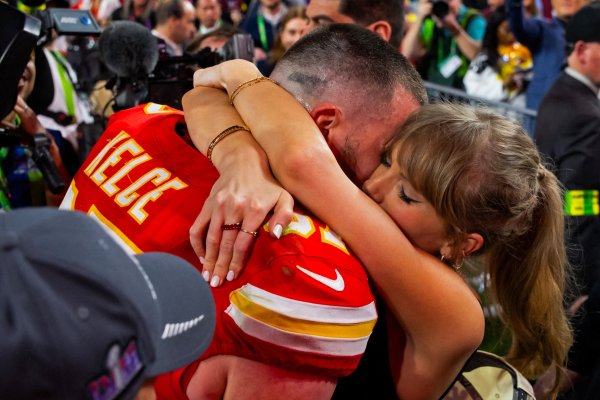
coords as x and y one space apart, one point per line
168 9
337 57
365 12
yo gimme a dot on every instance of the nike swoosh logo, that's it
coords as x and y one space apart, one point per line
172 330
336 284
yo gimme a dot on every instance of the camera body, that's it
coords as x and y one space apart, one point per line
19 36
173 75
21 33
65 21
440 8
240 46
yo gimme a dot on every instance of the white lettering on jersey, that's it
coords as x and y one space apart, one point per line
117 183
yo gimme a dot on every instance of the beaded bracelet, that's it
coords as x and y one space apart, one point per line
221 136
247 84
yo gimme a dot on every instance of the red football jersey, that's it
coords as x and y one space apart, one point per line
302 302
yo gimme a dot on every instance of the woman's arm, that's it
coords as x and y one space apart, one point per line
244 172
436 310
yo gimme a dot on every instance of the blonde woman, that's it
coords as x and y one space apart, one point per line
453 183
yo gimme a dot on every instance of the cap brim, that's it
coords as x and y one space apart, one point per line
186 312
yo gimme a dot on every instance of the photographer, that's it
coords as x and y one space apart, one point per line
174 26
22 181
444 38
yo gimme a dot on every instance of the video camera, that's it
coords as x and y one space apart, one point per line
19 35
144 72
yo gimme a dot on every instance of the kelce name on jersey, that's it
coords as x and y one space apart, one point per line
124 152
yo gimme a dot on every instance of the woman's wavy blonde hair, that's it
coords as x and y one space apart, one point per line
483 174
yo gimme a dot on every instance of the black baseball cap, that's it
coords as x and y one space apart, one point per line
82 319
585 24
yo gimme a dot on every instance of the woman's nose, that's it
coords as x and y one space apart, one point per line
373 186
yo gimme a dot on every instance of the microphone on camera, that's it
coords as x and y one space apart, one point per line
128 49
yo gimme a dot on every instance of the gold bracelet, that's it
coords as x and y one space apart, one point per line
248 83
223 135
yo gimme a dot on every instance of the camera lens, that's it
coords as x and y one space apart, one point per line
440 8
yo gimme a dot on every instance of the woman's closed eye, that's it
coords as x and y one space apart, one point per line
405 198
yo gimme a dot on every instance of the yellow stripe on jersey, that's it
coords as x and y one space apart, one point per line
296 341
286 323
116 233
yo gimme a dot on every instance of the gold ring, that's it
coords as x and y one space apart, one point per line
253 233
232 227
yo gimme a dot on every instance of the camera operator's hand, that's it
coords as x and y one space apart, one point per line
449 22
424 9
468 46
411 47
29 120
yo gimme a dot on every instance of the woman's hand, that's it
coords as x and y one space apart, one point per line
239 196
244 194
227 75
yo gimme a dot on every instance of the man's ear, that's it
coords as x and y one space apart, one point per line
382 28
583 51
326 116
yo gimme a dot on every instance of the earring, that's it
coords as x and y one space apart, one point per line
458 265
455 265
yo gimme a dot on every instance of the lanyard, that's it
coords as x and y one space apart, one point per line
262 32
441 40
30 10
66 83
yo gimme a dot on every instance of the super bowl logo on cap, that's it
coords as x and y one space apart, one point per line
122 368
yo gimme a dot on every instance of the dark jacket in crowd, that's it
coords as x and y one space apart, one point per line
568 132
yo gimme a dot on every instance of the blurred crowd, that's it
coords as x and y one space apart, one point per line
507 51
520 52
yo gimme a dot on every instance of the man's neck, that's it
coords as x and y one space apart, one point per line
162 33
206 29
575 74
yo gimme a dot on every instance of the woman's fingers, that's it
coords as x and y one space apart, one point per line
247 235
210 77
282 215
